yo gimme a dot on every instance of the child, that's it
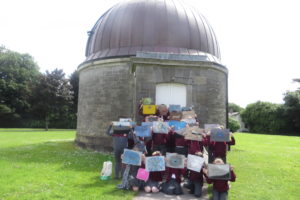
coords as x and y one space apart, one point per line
159 142
196 180
219 149
120 142
220 187
129 180
155 179
173 180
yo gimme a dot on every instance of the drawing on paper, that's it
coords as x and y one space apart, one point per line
174 108
155 163
131 157
219 171
160 127
220 135
142 131
174 160
195 163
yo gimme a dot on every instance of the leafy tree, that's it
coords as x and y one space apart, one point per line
264 117
18 73
292 110
233 125
52 97
74 81
232 107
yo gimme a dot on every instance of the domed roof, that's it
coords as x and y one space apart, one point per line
166 26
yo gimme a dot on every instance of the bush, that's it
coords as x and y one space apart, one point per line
233 125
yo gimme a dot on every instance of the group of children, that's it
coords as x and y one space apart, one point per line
158 145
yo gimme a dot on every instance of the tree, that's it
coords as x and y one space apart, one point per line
264 117
74 81
232 107
52 97
18 73
292 110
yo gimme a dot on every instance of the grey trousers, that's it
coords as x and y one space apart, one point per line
197 188
219 195
120 143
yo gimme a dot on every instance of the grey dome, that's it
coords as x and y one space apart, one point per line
167 26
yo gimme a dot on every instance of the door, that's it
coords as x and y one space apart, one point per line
171 93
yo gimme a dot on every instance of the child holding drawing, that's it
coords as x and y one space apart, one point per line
220 187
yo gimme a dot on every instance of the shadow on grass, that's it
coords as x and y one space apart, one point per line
64 153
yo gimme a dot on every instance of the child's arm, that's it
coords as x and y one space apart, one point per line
232 140
205 172
233 176
109 130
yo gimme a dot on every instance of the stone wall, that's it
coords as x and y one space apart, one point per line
105 93
112 88
206 84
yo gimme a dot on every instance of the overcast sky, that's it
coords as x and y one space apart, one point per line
259 39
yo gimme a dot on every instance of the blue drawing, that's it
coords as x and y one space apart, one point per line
220 135
131 157
177 125
175 160
186 109
155 163
143 131
189 120
174 108
160 127
147 124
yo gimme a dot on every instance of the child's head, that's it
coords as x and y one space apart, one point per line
218 161
156 153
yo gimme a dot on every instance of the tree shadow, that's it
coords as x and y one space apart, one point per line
62 152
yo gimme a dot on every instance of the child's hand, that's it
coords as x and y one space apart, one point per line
205 171
122 156
231 168
199 153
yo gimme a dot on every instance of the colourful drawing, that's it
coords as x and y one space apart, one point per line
195 163
147 124
155 163
142 174
220 135
219 171
142 131
160 127
174 108
131 157
189 121
175 160
177 125
125 120
208 127
188 114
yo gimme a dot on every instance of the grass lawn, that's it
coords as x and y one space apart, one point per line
267 167
35 164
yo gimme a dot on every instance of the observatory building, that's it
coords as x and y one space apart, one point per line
161 49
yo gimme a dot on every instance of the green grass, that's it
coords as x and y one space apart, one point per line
35 164
267 167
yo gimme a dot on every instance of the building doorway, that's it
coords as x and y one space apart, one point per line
171 93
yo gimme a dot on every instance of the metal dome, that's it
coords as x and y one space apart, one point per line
167 26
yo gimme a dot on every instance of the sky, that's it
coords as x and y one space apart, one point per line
259 39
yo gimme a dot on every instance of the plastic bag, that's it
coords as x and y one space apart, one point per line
106 170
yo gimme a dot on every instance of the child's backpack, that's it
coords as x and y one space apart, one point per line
106 170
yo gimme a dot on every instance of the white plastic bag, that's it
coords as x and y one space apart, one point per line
106 170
